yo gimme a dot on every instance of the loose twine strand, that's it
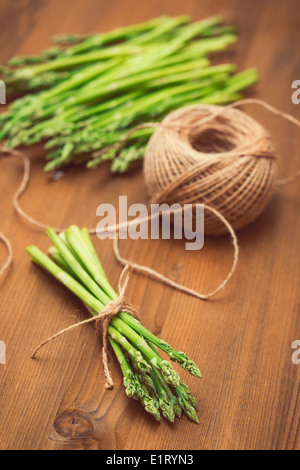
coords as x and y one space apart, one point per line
10 255
165 280
103 319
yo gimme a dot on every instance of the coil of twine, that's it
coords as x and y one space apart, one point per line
216 156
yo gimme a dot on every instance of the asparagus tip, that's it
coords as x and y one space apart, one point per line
167 409
170 375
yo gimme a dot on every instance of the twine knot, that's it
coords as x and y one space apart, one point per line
104 318
102 321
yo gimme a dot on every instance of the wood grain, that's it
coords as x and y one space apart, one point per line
249 396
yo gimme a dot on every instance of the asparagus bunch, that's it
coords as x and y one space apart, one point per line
90 91
147 376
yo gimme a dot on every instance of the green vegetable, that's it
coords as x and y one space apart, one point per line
84 95
147 376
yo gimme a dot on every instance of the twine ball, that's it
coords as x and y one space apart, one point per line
212 155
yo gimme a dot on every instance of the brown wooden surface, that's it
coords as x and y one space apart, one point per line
249 395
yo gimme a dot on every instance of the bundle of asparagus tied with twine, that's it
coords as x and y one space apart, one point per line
87 93
148 377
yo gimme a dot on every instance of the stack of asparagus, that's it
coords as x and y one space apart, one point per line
86 94
147 376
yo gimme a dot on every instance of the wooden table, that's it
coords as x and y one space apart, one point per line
249 395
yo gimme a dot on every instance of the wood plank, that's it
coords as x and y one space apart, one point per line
249 395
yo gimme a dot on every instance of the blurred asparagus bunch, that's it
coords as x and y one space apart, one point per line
147 377
86 93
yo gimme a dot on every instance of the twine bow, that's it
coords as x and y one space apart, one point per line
102 321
